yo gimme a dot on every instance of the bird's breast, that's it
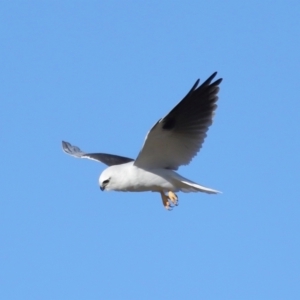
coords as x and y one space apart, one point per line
140 180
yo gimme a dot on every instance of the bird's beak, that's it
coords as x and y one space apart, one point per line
102 188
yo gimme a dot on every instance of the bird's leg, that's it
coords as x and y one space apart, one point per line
173 197
166 202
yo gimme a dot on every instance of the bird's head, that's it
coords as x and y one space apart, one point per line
115 178
106 180
110 179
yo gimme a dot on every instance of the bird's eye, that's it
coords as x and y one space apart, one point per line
105 182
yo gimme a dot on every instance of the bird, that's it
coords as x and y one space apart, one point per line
173 141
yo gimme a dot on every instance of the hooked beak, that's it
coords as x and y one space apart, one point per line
102 188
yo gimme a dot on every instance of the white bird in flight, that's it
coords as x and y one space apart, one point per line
173 141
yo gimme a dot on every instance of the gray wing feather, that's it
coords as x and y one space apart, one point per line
107 159
175 139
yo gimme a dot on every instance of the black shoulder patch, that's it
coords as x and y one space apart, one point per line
169 124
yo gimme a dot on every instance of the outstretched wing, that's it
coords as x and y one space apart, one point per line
175 139
107 159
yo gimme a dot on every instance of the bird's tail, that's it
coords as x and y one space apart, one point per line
188 186
185 185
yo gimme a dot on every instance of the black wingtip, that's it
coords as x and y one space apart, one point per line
214 74
217 82
194 86
64 144
196 83
209 80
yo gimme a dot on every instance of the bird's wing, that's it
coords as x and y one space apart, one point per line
175 139
107 159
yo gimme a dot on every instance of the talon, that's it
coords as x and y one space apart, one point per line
168 206
166 203
173 197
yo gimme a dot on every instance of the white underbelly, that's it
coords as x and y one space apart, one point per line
141 180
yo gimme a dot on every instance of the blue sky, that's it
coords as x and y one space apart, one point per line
99 75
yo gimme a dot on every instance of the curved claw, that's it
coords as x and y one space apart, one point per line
169 201
173 197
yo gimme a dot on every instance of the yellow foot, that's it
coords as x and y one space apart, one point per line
165 200
170 200
173 197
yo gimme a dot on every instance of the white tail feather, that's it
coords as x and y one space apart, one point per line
194 187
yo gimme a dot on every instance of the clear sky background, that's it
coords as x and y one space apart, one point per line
99 75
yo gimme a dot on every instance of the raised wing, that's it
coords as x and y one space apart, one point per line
107 159
175 139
